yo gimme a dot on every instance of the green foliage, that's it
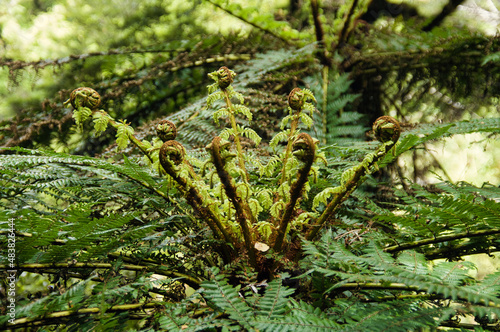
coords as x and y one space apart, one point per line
81 114
374 275
334 123
261 20
247 309
265 229
122 135
101 121
115 219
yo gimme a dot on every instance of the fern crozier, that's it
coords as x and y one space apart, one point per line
166 130
85 97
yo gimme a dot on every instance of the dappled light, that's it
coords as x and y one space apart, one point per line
248 165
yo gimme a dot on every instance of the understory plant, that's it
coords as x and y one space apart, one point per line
265 236
248 219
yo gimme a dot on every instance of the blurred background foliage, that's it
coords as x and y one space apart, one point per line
149 59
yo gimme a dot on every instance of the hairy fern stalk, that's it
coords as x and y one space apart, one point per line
246 235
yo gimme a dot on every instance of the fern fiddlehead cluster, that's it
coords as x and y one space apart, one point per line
242 215
166 130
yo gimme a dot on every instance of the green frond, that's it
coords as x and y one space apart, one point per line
286 119
265 229
214 96
222 112
226 133
80 115
243 110
274 302
101 121
424 133
324 195
227 300
251 134
434 214
375 267
265 198
301 317
282 136
306 120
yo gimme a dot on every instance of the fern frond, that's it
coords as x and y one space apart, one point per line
226 298
301 317
274 302
447 279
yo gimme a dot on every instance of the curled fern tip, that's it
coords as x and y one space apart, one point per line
386 129
166 130
85 97
224 77
304 148
171 152
296 99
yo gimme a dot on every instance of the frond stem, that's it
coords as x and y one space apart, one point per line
36 267
296 190
250 23
243 212
241 158
49 318
444 238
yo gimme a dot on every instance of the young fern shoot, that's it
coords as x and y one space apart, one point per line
86 101
297 101
223 90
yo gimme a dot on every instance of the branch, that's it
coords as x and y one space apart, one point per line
345 28
39 64
47 319
444 238
18 64
250 23
404 287
376 285
469 326
36 267
59 242
320 36
487 246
